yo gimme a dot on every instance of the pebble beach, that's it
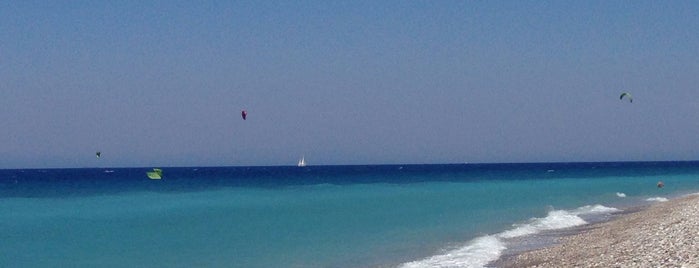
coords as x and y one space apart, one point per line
665 234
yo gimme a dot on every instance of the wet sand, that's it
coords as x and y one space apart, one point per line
665 234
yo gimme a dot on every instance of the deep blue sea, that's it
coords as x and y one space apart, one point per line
463 215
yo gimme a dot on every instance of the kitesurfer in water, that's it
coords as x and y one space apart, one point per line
660 184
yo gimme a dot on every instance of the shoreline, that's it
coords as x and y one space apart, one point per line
661 234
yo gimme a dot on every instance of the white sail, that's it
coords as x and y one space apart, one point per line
302 162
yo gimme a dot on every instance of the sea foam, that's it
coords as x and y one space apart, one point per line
657 199
477 253
485 249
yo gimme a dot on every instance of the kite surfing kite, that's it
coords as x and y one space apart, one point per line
156 174
98 154
627 95
244 114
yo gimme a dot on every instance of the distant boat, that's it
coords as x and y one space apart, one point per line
302 162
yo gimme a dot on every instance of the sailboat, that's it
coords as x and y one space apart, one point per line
302 162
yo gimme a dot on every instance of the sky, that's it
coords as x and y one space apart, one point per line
163 83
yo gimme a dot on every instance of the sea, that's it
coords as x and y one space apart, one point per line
454 215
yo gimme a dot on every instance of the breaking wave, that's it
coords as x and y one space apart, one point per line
485 249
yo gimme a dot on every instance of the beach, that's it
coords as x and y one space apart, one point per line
665 234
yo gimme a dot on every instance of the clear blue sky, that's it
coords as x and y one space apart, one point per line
162 83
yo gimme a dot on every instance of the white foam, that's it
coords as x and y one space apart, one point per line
556 219
477 253
620 194
593 210
485 249
657 199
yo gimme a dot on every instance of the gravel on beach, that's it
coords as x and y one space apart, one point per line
665 234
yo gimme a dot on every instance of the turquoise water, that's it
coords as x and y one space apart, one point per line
357 216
